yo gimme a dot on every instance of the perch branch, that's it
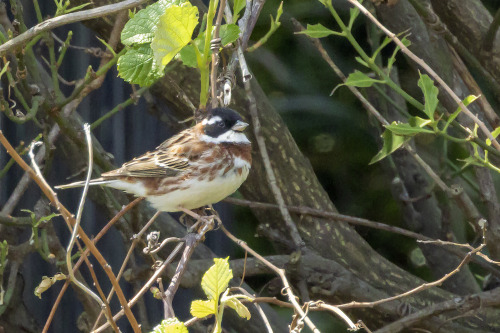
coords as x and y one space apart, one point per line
67 19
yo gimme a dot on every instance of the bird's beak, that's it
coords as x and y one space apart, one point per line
239 126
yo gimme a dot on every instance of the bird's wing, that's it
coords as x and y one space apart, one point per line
169 159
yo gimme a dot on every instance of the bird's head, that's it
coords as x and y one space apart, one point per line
224 125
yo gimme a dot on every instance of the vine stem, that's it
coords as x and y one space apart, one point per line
428 69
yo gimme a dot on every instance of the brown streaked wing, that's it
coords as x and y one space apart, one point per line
152 164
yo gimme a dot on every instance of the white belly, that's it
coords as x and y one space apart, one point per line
200 193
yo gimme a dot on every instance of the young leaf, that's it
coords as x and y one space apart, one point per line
229 33
406 42
238 6
361 80
174 32
391 143
469 99
430 95
171 325
318 31
141 27
406 129
139 66
201 309
216 279
239 307
494 134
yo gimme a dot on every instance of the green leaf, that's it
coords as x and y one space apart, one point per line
4 69
361 80
391 143
430 95
141 27
46 219
406 42
318 31
201 309
238 6
171 325
469 99
174 32
139 66
239 307
361 61
353 14
406 129
216 279
494 134
188 56
229 33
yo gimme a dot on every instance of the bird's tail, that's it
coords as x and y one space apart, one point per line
97 181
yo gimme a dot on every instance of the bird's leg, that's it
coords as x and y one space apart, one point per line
200 219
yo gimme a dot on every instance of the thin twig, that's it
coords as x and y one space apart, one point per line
192 240
69 250
135 241
215 54
146 286
429 70
67 19
68 217
101 233
271 177
418 289
281 272
259 308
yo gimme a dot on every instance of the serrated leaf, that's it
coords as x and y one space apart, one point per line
430 95
174 32
201 309
318 31
229 33
392 142
405 129
171 325
239 307
139 66
141 27
217 278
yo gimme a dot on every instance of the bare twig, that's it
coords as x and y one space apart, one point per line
67 19
418 289
68 217
429 70
271 177
146 286
135 241
281 272
259 308
84 255
192 240
215 54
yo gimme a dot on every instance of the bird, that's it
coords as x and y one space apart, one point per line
198 167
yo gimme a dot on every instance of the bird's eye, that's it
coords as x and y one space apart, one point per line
220 123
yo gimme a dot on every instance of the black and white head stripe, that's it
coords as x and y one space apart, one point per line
224 125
